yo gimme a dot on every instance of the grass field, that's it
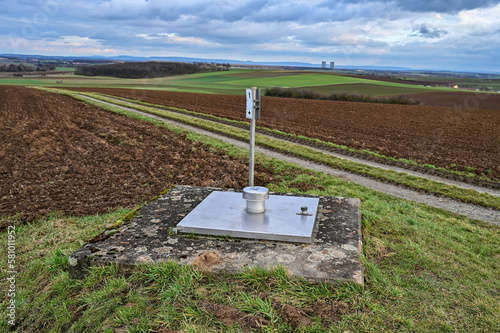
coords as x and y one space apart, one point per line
233 82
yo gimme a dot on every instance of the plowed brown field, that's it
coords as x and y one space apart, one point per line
459 99
451 137
58 154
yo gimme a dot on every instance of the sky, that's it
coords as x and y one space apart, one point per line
432 34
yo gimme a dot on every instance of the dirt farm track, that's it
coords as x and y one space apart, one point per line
59 154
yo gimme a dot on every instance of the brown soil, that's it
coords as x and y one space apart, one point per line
450 137
232 317
206 260
327 311
295 316
460 100
58 154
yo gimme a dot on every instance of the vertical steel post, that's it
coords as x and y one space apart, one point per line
252 140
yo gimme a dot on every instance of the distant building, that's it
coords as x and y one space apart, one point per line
332 64
323 64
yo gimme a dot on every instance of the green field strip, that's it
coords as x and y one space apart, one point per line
210 78
211 75
295 81
413 182
21 82
321 82
230 82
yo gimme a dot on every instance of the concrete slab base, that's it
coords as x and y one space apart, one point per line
333 254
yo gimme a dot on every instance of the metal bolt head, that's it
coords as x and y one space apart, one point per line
304 212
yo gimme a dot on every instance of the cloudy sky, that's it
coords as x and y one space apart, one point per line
433 34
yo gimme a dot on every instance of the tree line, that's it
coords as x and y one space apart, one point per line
340 96
17 68
150 69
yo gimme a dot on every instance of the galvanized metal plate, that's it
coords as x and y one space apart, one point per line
224 214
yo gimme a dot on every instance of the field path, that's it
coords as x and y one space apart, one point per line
469 210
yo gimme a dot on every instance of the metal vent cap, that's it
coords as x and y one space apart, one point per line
256 197
255 193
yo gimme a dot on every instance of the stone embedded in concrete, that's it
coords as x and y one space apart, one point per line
333 254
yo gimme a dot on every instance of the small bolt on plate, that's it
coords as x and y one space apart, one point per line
304 211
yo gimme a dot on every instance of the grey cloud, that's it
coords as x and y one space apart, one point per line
423 31
226 11
283 12
50 35
441 6
230 13
444 6
201 10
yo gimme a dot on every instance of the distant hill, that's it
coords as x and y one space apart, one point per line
126 58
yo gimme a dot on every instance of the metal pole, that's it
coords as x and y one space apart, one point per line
252 141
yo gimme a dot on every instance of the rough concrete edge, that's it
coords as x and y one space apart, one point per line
79 261
359 276
78 268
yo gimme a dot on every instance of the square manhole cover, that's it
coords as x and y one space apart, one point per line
224 214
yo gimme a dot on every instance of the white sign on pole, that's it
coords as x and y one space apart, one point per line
249 111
